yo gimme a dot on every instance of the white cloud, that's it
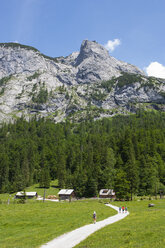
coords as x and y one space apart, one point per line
156 69
112 44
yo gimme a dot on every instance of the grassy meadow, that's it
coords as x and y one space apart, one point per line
53 190
143 228
32 224
37 222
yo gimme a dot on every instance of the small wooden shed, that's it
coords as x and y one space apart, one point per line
107 193
28 195
66 194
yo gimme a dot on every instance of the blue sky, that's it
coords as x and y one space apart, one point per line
57 27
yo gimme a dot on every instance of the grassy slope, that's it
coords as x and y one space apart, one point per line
53 190
143 228
32 224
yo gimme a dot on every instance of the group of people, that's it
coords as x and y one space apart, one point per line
123 209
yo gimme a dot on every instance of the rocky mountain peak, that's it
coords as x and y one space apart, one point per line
32 83
91 49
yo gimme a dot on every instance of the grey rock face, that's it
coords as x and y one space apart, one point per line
32 83
95 64
135 93
91 50
18 60
91 64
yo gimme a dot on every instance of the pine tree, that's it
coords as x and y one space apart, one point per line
61 167
121 185
109 171
4 172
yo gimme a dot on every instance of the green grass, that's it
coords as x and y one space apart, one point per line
35 223
143 228
53 190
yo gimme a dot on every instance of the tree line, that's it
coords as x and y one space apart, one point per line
126 153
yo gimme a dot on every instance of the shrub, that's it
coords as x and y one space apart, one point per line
108 85
127 79
41 97
4 80
14 45
35 75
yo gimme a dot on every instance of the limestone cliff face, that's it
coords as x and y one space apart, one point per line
94 63
89 82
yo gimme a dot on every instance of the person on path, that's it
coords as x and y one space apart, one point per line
94 217
119 209
123 208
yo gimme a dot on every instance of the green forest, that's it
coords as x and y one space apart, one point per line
126 153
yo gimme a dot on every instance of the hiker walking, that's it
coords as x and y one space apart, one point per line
94 217
123 208
119 209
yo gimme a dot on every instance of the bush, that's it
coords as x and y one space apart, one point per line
4 80
41 97
35 75
127 79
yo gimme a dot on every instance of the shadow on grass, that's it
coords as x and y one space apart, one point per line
55 186
52 186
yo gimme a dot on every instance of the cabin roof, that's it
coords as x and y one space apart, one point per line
26 193
65 192
106 192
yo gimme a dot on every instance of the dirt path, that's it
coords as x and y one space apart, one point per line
70 239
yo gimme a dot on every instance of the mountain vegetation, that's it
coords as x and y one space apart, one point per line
65 132
126 153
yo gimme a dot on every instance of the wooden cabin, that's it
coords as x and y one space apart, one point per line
28 195
107 193
66 194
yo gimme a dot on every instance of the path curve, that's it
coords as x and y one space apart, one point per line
71 239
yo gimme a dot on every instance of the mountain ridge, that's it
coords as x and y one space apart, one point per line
83 83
